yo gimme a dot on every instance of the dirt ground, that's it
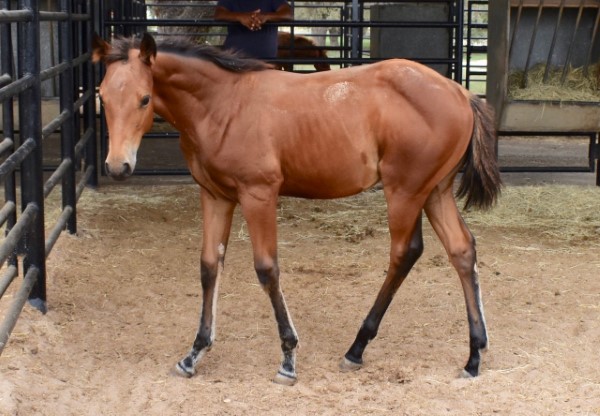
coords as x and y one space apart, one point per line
124 299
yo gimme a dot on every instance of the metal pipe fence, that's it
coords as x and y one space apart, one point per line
27 243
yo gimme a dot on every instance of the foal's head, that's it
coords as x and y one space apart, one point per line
126 93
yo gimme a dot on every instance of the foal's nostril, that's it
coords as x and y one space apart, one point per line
126 169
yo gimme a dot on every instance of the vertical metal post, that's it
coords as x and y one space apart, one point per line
469 42
32 179
6 67
126 14
458 40
67 98
89 110
354 29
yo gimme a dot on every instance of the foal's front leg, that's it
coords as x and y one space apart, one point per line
217 216
260 213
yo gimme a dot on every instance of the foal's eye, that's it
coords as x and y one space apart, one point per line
145 101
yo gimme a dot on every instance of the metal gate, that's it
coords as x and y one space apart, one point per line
26 243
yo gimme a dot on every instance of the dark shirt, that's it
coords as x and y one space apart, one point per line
259 44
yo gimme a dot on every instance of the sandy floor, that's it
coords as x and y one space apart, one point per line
124 298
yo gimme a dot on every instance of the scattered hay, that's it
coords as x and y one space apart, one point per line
577 86
352 219
562 212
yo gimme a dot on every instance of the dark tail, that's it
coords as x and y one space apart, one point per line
480 183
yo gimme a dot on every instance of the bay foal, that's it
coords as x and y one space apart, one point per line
250 134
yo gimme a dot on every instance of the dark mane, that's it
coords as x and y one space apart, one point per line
228 60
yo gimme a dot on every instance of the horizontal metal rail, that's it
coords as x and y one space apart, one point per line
57 176
295 23
12 238
55 123
19 300
8 208
6 145
7 278
85 180
14 16
53 71
17 87
13 161
5 79
58 228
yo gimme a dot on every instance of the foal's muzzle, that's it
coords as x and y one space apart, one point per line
120 172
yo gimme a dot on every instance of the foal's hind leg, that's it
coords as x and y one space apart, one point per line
460 245
406 248
217 215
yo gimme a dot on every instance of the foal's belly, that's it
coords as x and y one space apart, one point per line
330 177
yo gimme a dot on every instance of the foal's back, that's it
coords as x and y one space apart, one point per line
360 121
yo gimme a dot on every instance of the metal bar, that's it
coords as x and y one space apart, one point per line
56 176
593 151
6 145
53 71
46 16
469 42
85 139
16 233
5 79
30 117
67 98
8 122
85 180
29 281
7 278
458 41
553 43
64 217
531 44
566 169
14 16
5 212
18 156
570 50
588 59
17 86
81 100
89 140
55 123
295 23
81 59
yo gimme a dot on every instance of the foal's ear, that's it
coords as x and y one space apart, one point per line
100 48
147 49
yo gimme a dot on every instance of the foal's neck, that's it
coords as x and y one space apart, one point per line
186 88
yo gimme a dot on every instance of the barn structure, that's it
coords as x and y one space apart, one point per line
53 131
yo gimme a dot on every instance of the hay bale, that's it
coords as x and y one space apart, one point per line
578 86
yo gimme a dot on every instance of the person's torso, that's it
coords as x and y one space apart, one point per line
256 44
